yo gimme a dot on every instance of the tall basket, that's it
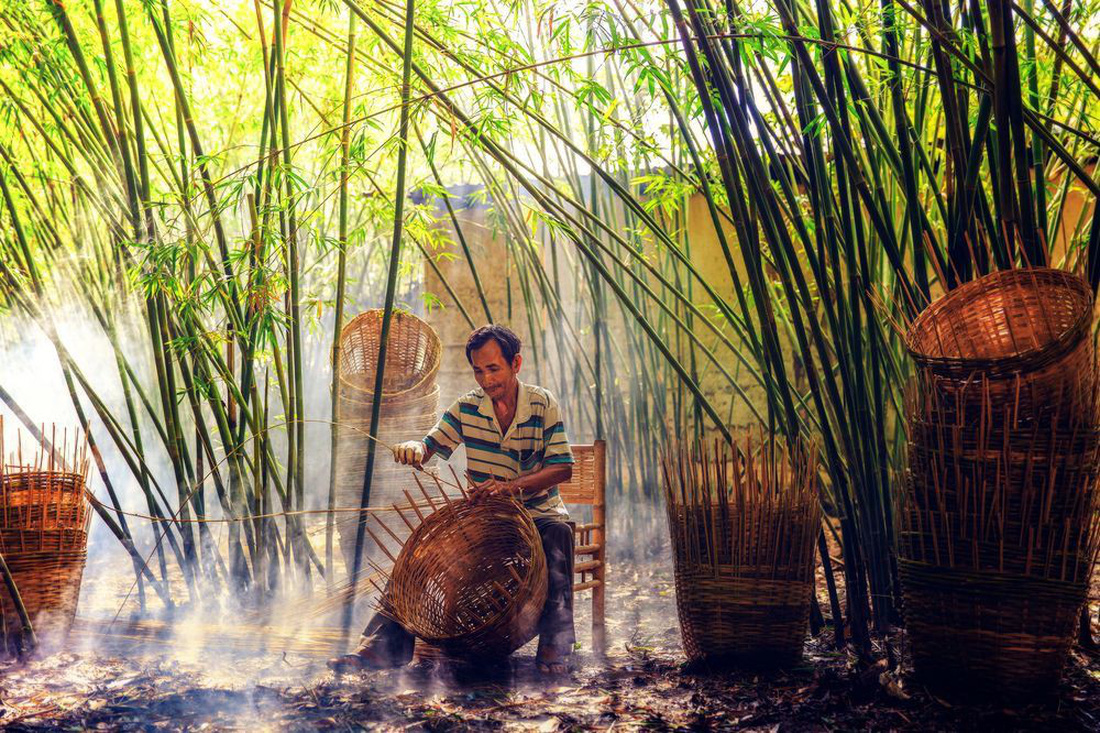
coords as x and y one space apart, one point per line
43 537
997 521
409 409
744 523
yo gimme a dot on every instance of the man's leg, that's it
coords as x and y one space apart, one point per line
556 635
385 643
387 640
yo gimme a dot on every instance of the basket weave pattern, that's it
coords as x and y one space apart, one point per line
43 537
413 354
470 581
743 526
997 521
409 409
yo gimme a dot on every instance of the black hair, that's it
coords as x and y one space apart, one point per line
507 339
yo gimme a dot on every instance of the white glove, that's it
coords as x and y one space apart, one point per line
411 452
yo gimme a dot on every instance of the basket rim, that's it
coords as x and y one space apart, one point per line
12 470
429 373
995 280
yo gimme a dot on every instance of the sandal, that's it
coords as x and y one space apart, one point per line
360 661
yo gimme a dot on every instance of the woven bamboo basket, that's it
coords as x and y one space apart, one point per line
743 526
413 355
43 537
470 581
1012 338
997 531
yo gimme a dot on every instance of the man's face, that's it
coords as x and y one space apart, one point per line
493 373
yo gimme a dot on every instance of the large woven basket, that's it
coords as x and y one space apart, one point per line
743 526
43 537
471 580
1014 337
997 519
413 355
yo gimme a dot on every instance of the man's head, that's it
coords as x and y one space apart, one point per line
493 352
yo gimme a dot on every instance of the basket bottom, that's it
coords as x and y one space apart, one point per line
423 652
49 585
742 621
991 634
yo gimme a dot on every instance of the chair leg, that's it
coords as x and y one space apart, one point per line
599 628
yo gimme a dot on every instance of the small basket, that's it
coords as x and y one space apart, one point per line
1002 323
470 581
43 537
1014 337
413 355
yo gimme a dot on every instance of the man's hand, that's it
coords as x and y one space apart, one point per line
493 487
410 453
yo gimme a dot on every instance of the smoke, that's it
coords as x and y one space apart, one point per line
216 628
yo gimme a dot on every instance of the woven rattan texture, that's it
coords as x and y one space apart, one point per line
997 518
998 634
413 354
471 579
43 537
409 409
743 526
1002 322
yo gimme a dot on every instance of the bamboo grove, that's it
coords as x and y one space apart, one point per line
207 191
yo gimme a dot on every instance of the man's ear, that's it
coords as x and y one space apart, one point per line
517 362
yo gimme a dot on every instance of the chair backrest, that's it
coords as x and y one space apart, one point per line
588 484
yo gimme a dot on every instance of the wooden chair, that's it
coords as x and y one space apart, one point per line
589 486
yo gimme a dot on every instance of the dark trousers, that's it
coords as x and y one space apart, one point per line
389 640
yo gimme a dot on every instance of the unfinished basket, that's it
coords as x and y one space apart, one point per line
43 538
997 520
470 581
413 355
744 524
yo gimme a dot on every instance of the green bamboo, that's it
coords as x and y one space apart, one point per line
387 315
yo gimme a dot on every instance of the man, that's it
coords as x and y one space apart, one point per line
515 446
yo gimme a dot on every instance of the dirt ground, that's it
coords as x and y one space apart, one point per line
641 684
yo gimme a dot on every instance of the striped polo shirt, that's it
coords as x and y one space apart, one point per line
535 439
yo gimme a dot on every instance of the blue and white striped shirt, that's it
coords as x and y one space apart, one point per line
535 439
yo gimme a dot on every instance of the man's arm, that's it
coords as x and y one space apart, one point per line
441 439
532 485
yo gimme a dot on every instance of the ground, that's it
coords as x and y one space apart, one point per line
643 683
